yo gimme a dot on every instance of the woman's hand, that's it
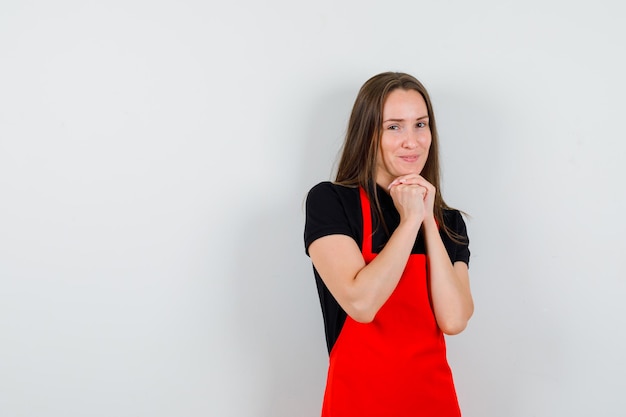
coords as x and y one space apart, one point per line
413 195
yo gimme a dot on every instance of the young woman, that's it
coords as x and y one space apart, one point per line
390 260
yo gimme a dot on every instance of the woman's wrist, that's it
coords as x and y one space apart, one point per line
410 223
430 222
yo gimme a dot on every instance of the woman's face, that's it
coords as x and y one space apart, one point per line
405 139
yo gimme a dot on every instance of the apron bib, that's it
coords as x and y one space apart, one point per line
396 365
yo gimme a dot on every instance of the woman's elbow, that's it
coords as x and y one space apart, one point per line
362 313
363 318
453 327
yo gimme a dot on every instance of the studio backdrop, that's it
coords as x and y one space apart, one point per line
155 158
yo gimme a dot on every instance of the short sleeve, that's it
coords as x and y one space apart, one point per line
326 214
458 248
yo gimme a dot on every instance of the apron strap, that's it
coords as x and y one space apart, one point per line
367 225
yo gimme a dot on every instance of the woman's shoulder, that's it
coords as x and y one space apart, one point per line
453 218
327 190
455 238
333 187
331 209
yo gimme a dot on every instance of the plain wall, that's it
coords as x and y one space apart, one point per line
155 157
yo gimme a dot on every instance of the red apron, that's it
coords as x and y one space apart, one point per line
396 365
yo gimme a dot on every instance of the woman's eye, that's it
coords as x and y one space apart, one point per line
421 124
393 127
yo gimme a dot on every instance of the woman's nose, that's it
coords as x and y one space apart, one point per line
411 140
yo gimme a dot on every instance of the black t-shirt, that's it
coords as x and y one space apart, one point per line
333 209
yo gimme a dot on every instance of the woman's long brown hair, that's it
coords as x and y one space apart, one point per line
357 165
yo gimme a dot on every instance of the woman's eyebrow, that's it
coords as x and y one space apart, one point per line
402 120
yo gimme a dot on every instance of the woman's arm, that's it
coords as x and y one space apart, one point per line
449 284
362 289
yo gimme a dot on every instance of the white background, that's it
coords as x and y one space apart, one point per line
154 160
